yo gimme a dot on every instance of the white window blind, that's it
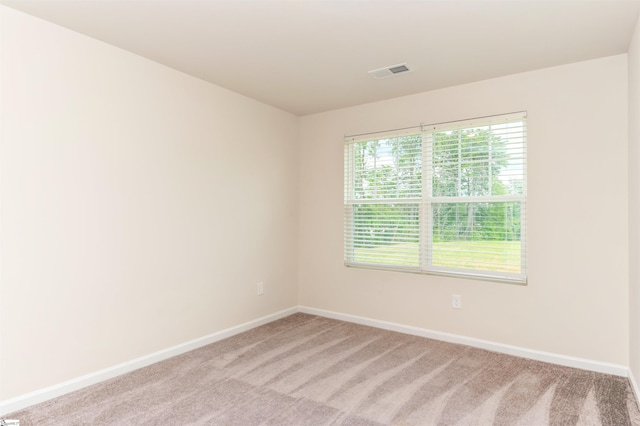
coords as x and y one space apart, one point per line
446 199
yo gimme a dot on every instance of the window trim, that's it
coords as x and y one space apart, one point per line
427 200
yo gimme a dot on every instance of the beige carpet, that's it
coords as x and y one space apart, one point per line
309 370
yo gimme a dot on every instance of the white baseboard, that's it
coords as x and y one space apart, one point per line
567 361
42 395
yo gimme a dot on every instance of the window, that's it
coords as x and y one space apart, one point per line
443 199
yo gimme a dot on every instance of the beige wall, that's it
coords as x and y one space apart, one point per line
576 302
634 205
140 206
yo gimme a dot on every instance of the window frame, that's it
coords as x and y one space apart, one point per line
427 200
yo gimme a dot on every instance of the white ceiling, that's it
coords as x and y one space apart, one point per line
308 56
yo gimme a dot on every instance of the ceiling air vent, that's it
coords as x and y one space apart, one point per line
390 71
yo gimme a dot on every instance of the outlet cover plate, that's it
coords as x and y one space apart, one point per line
456 301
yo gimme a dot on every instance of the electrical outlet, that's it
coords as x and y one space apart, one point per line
260 288
456 301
